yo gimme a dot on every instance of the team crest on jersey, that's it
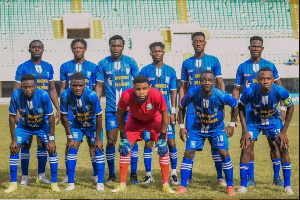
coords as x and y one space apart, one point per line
48 74
75 135
108 72
193 144
88 74
112 123
19 139
167 79
40 110
127 71
208 68
149 106
215 110
88 107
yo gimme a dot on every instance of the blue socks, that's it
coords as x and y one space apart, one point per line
251 169
243 174
228 170
148 159
276 167
100 165
41 154
134 158
186 167
218 162
93 160
287 170
13 163
25 156
110 158
53 160
71 164
191 172
173 157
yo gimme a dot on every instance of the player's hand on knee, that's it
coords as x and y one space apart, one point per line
246 138
13 147
70 143
162 147
172 119
98 145
283 140
183 134
57 117
51 147
229 131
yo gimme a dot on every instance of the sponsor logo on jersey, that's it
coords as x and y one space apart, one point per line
149 106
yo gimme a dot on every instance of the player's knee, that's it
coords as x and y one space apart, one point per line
171 143
189 154
111 143
149 144
223 153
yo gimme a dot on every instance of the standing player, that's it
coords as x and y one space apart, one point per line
163 78
43 72
33 106
88 69
263 99
209 104
87 121
247 74
116 71
147 111
190 77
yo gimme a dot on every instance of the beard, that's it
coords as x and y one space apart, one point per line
141 100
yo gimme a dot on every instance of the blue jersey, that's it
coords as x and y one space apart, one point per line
163 78
117 77
34 111
42 72
87 68
209 111
84 108
192 68
263 107
247 72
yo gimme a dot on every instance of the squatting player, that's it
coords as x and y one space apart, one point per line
190 77
43 71
263 99
33 106
209 104
247 74
88 69
116 71
87 121
147 111
163 78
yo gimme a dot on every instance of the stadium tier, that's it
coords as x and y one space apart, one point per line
141 22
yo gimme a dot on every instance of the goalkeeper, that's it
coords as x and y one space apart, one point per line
147 111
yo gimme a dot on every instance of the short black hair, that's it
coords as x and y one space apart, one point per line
265 69
156 44
77 76
198 34
140 79
35 41
116 37
256 38
27 77
208 72
78 40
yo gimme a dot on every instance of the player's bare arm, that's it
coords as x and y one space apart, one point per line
98 141
245 135
230 128
164 121
13 145
62 86
65 123
183 132
221 84
98 89
54 99
282 107
51 147
120 119
173 105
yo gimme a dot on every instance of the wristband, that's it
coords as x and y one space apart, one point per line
51 138
232 124
69 136
282 108
162 136
181 126
123 135
173 110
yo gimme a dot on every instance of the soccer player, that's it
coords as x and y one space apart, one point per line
247 74
43 72
147 111
163 78
88 69
87 121
33 106
263 99
190 77
209 104
116 71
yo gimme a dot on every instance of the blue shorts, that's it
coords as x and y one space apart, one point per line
23 133
92 131
189 121
270 131
170 132
196 140
111 120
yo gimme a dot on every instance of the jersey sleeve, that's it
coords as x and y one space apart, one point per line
19 74
134 68
143 71
246 96
275 73
239 77
51 73
64 102
184 72
186 99
94 71
285 97
123 102
47 104
173 81
96 108
13 108
62 73
230 100
217 68
99 72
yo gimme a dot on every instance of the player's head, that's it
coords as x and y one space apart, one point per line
207 81
141 88
28 85
265 79
77 83
78 47
116 46
36 49
256 46
198 42
157 51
